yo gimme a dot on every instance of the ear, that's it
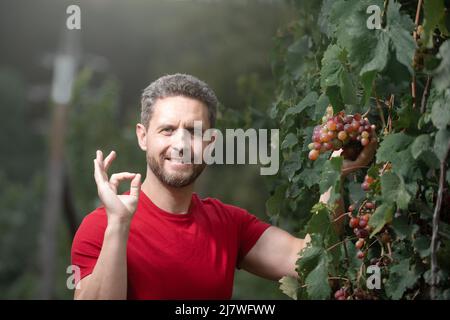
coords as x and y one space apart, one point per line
141 134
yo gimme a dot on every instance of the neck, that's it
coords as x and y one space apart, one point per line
173 200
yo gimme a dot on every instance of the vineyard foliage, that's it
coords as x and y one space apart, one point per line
390 62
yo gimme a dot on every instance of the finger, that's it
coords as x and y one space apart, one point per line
98 176
367 153
116 178
108 160
99 159
135 186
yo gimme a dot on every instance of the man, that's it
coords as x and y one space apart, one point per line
161 241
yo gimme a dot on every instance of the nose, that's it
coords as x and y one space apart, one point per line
181 143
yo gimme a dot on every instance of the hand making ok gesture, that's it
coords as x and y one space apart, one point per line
119 208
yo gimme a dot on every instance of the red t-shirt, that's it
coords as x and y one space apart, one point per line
176 256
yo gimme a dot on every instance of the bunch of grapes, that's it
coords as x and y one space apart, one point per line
360 225
337 131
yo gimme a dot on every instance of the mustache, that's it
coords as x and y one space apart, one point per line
174 157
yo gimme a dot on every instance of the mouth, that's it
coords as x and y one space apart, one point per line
178 162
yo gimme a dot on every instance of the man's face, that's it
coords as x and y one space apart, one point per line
166 141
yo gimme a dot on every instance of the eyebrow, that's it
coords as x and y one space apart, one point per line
188 126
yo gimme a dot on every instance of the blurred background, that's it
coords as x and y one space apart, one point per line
65 94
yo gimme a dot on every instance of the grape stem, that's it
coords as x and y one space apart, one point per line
413 82
338 278
426 94
434 237
390 105
380 109
340 242
340 217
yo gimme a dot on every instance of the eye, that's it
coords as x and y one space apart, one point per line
167 130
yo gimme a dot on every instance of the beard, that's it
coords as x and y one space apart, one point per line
174 180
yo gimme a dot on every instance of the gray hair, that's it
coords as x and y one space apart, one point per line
178 85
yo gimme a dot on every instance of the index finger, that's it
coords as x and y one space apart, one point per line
108 160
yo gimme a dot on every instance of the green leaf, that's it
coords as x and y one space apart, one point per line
392 143
289 141
292 166
401 278
334 95
353 35
440 112
403 229
408 118
295 56
332 66
367 81
331 177
310 177
441 79
395 149
422 246
331 173
274 203
380 55
441 143
348 88
383 214
309 257
308 101
320 220
400 28
420 145
321 106
289 286
393 190
324 18
317 280
434 16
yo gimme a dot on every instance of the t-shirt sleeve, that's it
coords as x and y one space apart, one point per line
88 241
250 230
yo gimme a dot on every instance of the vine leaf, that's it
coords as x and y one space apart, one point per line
289 286
308 101
440 112
316 282
401 278
393 190
441 143
383 214
331 177
434 16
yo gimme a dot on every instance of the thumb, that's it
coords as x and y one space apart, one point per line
135 186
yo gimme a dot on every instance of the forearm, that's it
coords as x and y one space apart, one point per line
109 277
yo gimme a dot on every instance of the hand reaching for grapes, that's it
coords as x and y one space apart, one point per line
351 136
362 160
119 208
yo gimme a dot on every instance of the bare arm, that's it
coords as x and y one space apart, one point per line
108 280
274 255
